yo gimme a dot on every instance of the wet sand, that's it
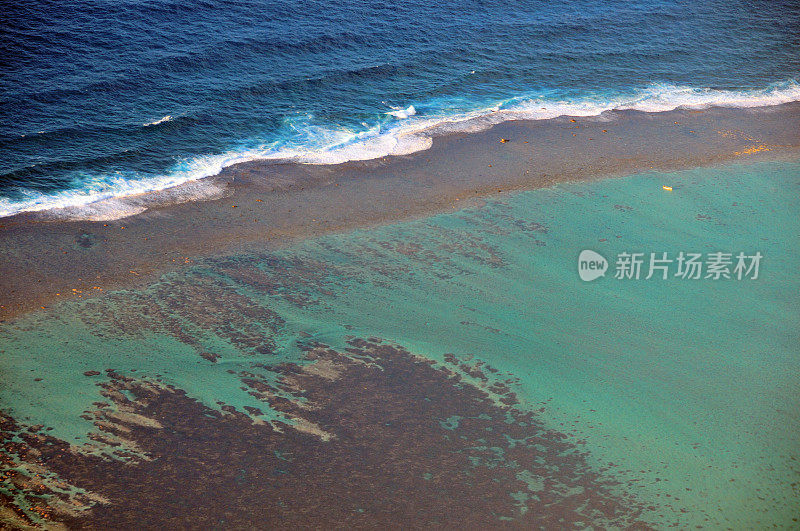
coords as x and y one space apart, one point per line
264 205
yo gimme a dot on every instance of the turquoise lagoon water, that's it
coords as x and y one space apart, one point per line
686 390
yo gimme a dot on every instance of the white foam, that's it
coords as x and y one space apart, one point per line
119 207
659 98
403 113
318 145
166 118
101 210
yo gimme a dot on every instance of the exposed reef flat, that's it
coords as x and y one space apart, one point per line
58 254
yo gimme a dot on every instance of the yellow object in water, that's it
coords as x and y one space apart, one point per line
667 188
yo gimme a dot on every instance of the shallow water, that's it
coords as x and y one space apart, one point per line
686 391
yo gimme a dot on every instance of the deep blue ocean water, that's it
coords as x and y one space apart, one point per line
105 98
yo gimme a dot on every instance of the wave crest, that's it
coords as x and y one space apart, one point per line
403 113
312 144
166 118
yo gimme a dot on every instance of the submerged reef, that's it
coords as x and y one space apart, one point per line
373 435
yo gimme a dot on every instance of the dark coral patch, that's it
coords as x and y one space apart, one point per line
187 307
378 436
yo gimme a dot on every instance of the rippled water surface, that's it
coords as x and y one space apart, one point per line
107 98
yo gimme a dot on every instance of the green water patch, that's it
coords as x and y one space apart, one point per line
686 390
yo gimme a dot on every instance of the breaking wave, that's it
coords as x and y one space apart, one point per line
410 129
